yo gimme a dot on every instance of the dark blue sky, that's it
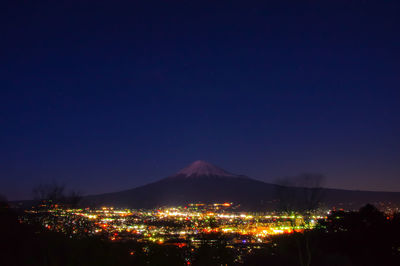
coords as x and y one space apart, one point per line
104 96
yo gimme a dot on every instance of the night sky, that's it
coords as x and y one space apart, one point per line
108 95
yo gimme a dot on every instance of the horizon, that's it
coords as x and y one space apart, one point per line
196 175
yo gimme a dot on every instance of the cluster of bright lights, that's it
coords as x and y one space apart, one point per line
184 223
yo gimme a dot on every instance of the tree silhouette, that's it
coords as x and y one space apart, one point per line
301 195
55 195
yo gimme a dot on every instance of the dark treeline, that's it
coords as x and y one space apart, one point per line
53 194
27 244
365 237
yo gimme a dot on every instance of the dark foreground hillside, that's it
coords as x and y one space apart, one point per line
359 238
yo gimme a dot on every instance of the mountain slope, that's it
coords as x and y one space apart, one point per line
199 182
206 183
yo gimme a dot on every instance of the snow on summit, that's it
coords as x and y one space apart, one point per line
203 168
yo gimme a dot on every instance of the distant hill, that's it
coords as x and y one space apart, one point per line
207 183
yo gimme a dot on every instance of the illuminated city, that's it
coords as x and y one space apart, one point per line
184 227
181 224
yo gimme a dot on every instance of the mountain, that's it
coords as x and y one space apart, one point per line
199 182
204 182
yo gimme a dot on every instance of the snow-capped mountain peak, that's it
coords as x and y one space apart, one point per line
203 168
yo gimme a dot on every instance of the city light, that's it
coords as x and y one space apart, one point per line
181 225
